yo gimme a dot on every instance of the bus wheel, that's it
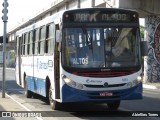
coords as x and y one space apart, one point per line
113 105
54 104
27 92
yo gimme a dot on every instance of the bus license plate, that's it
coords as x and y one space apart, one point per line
105 94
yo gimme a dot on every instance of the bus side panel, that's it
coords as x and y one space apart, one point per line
30 83
37 73
43 68
36 85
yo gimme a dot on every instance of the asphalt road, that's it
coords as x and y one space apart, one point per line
149 104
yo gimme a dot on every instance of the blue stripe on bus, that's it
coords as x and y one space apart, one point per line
36 85
74 95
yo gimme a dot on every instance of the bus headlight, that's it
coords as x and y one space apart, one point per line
134 82
129 84
69 82
72 83
139 78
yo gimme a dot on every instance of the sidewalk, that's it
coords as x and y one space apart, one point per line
151 85
8 104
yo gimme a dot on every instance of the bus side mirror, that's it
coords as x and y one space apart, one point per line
58 36
144 48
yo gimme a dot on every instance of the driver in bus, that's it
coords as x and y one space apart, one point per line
121 48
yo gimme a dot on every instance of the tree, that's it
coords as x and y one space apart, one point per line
11 61
142 31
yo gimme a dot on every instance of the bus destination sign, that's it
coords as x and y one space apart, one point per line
99 17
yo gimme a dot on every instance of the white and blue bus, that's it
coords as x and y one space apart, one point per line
82 55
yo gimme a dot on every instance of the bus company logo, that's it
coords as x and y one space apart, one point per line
106 84
42 65
93 81
156 44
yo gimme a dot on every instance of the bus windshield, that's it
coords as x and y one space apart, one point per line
100 47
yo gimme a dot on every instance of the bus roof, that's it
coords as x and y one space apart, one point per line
57 17
101 8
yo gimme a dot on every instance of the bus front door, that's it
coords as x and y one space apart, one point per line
18 61
56 72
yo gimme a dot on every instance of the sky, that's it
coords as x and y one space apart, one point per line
19 10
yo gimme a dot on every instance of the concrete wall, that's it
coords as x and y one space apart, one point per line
73 4
129 4
85 3
152 61
99 2
144 7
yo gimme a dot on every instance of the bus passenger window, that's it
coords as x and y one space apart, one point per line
26 43
41 40
39 47
21 44
47 39
36 41
30 43
49 42
33 37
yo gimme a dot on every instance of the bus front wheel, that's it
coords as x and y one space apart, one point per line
54 104
27 92
113 105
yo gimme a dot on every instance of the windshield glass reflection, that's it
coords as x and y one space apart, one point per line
100 47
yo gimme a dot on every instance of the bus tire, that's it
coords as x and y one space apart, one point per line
113 105
54 104
27 92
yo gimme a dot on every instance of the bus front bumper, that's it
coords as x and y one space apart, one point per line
70 94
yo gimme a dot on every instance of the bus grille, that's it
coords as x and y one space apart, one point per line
101 86
103 74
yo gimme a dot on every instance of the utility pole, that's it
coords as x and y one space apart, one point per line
4 18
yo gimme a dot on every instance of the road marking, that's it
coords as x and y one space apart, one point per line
38 118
